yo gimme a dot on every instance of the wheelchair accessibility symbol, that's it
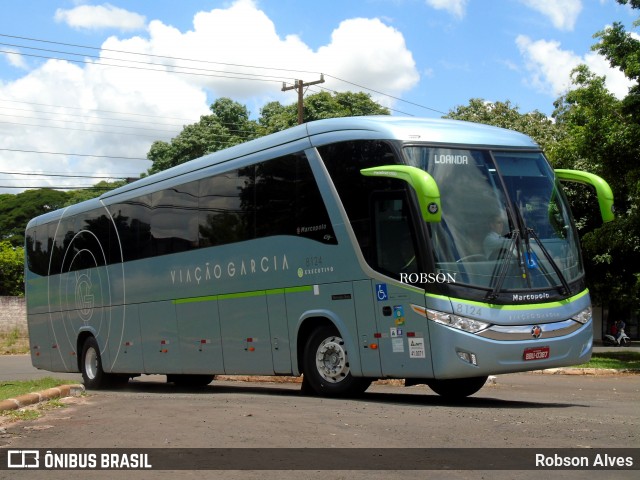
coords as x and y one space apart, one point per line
381 292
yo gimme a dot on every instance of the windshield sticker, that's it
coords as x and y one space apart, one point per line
451 159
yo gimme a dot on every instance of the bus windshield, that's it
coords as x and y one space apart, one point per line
505 225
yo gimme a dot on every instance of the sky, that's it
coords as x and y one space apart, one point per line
86 86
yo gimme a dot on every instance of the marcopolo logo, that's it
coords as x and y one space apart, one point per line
422 278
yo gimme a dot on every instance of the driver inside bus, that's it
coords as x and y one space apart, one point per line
496 240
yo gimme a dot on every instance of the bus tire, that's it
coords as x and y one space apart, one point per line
91 365
457 388
326 366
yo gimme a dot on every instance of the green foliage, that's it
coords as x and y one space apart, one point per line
603 136
14 388
619 360
623 51
77 196
17 210
12 270
276 117
229 125
503 114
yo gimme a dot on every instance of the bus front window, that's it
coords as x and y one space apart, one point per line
505 226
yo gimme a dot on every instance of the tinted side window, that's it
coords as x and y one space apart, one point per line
37 245
226 208
344 162
174 220
288 201
133 220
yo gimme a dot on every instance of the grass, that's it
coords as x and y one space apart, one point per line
618 360
13 388
14 342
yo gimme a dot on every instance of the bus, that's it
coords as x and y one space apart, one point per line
342 250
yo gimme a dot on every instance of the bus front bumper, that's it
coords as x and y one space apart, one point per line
456 354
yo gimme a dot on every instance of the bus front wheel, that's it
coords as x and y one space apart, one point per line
457 388
327 371
91 365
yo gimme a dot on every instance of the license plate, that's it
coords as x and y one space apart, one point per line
538 353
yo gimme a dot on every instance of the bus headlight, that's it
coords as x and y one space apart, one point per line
584 316
455 321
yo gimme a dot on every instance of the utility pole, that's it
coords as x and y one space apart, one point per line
299 85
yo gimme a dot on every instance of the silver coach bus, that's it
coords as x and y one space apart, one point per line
343 250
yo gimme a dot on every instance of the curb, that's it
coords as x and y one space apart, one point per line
27 399
583 371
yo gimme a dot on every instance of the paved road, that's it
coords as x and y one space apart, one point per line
522 410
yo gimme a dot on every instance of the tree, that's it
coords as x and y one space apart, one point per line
276 117
503 114
227 125
17 210
603 136
622 49
12 268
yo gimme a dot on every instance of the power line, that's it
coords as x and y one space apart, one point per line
172 68
49 187
201 61
91 110
156 56
31 174
73 115
80 129
12 115
72 154
385 94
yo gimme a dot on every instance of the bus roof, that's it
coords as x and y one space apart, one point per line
321 132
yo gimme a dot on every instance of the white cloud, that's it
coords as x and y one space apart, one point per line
550 67
363 51
456 8
562 13
95 17
14 58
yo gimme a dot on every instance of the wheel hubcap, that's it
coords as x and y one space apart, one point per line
332 361
91 363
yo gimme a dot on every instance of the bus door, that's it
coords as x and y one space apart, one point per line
367 329
404 336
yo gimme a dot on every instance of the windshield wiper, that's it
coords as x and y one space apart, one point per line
504 266
565 290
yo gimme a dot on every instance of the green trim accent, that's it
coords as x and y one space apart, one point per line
527 306
306 288
603 190
255 293
195 299
423 183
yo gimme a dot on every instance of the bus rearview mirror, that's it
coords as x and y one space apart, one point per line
425 186
603 190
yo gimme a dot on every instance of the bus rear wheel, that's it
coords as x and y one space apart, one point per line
91 365
327 371
457 388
